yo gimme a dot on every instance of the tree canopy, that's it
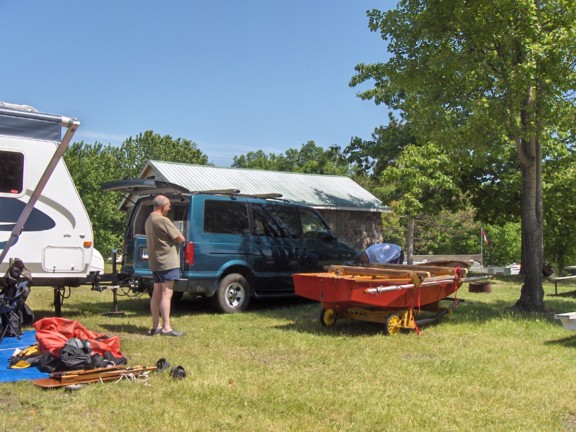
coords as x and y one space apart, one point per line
135 152
494 78
310 159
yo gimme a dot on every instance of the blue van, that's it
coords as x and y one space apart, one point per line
237 246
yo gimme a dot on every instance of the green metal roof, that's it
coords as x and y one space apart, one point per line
315 190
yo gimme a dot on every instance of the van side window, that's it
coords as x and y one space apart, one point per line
11 172
275 220
312 223
225 217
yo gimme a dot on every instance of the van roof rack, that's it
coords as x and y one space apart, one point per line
272 195
217 192
237 193
152 186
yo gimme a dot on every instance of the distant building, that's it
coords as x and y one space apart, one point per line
353 213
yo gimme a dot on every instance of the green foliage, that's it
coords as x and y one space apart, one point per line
136 152
460 68
310 159
559 223
259 160
421 181
393 226
504 244
373 156
448 232
92 165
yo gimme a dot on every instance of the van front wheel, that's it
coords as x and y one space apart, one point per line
233 294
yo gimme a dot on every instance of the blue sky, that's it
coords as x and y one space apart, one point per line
232 76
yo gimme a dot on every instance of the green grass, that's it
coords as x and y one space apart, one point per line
275 368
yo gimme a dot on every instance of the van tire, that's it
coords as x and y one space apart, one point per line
232 295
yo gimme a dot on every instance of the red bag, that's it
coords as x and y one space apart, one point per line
52 334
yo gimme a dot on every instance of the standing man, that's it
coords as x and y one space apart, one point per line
163 240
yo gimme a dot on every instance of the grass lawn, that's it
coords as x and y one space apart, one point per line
276 368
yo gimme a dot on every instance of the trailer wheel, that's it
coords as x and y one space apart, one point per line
328 317
232 295
393 325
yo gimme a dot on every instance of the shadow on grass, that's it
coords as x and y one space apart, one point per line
306 318
131 305
568 342
302 315
567 294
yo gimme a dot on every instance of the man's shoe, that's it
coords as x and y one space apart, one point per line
173 333
154 332
178 373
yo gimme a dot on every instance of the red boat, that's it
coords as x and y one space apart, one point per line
389 294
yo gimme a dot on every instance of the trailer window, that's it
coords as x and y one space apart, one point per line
11 172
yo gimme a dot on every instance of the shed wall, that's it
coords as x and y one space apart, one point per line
356 228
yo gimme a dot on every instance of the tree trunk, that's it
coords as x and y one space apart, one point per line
532 294
410 241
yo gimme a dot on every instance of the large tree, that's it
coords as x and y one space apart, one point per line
463 71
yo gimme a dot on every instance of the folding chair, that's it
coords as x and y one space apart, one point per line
11 311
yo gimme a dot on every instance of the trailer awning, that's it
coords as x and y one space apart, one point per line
30 124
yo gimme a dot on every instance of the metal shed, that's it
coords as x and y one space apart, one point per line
353 213
318 191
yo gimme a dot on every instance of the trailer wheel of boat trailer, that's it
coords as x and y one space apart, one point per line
401 297
394 320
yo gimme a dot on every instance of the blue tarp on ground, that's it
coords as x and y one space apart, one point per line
7 348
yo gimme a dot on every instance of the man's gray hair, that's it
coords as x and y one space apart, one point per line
159 201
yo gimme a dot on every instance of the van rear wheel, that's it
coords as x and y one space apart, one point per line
233 294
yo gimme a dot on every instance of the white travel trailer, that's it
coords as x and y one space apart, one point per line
42 218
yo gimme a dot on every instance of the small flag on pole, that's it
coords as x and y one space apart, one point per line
484 237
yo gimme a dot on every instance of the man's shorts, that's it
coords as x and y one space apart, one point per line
166 275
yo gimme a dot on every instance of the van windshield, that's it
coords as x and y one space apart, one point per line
312 222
